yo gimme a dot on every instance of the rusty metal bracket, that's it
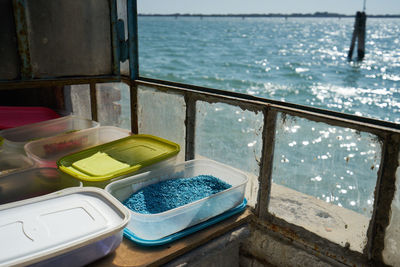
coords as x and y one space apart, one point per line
22 38
123 44
114 36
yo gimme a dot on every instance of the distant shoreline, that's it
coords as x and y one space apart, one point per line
271 15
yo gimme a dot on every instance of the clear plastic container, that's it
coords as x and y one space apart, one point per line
98 166
71 227
14 162
46 151
159 225
32 183
14 139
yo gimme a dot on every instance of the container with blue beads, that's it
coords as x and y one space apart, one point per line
175 214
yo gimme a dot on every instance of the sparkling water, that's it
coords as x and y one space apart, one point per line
297 60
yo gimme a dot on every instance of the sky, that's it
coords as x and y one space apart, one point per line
349 7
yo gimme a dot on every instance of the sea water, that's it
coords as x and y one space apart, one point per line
297 60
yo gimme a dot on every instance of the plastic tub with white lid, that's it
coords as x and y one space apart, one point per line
71 227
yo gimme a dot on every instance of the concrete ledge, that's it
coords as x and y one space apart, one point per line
263 249
337 224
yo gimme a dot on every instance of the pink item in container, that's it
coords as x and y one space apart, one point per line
11 117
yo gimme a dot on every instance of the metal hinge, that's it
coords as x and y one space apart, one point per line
123 44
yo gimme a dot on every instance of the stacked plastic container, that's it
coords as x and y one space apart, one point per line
71 227
100 165
14 162
14 139
33 182
46 216
45 152
51 213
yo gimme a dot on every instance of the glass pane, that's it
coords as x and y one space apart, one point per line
324 179
80 101
391 254
113 104
232 136
162 115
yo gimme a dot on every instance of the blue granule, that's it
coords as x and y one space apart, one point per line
170 194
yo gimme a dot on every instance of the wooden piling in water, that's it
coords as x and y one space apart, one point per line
353 41
359 35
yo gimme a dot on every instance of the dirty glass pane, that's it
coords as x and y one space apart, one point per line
232 136
390 253
162 114
80 100
9 67
113 104
324 179
69 38
122 14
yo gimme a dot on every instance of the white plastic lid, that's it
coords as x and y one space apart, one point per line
43 227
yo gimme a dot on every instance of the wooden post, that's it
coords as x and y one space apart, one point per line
353 39
359 35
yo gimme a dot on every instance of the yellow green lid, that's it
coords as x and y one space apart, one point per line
99 164
117 158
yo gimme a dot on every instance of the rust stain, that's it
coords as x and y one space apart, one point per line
22 36
292 236
286 231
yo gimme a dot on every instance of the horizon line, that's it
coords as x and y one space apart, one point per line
315 14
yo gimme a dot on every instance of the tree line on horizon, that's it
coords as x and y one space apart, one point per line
316 14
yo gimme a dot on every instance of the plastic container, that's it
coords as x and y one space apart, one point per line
187 231
71 227
32 183
16 138
11 117
45 152
14 162
156 226
100 165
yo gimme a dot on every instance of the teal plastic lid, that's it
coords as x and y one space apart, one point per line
120 157
168 239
